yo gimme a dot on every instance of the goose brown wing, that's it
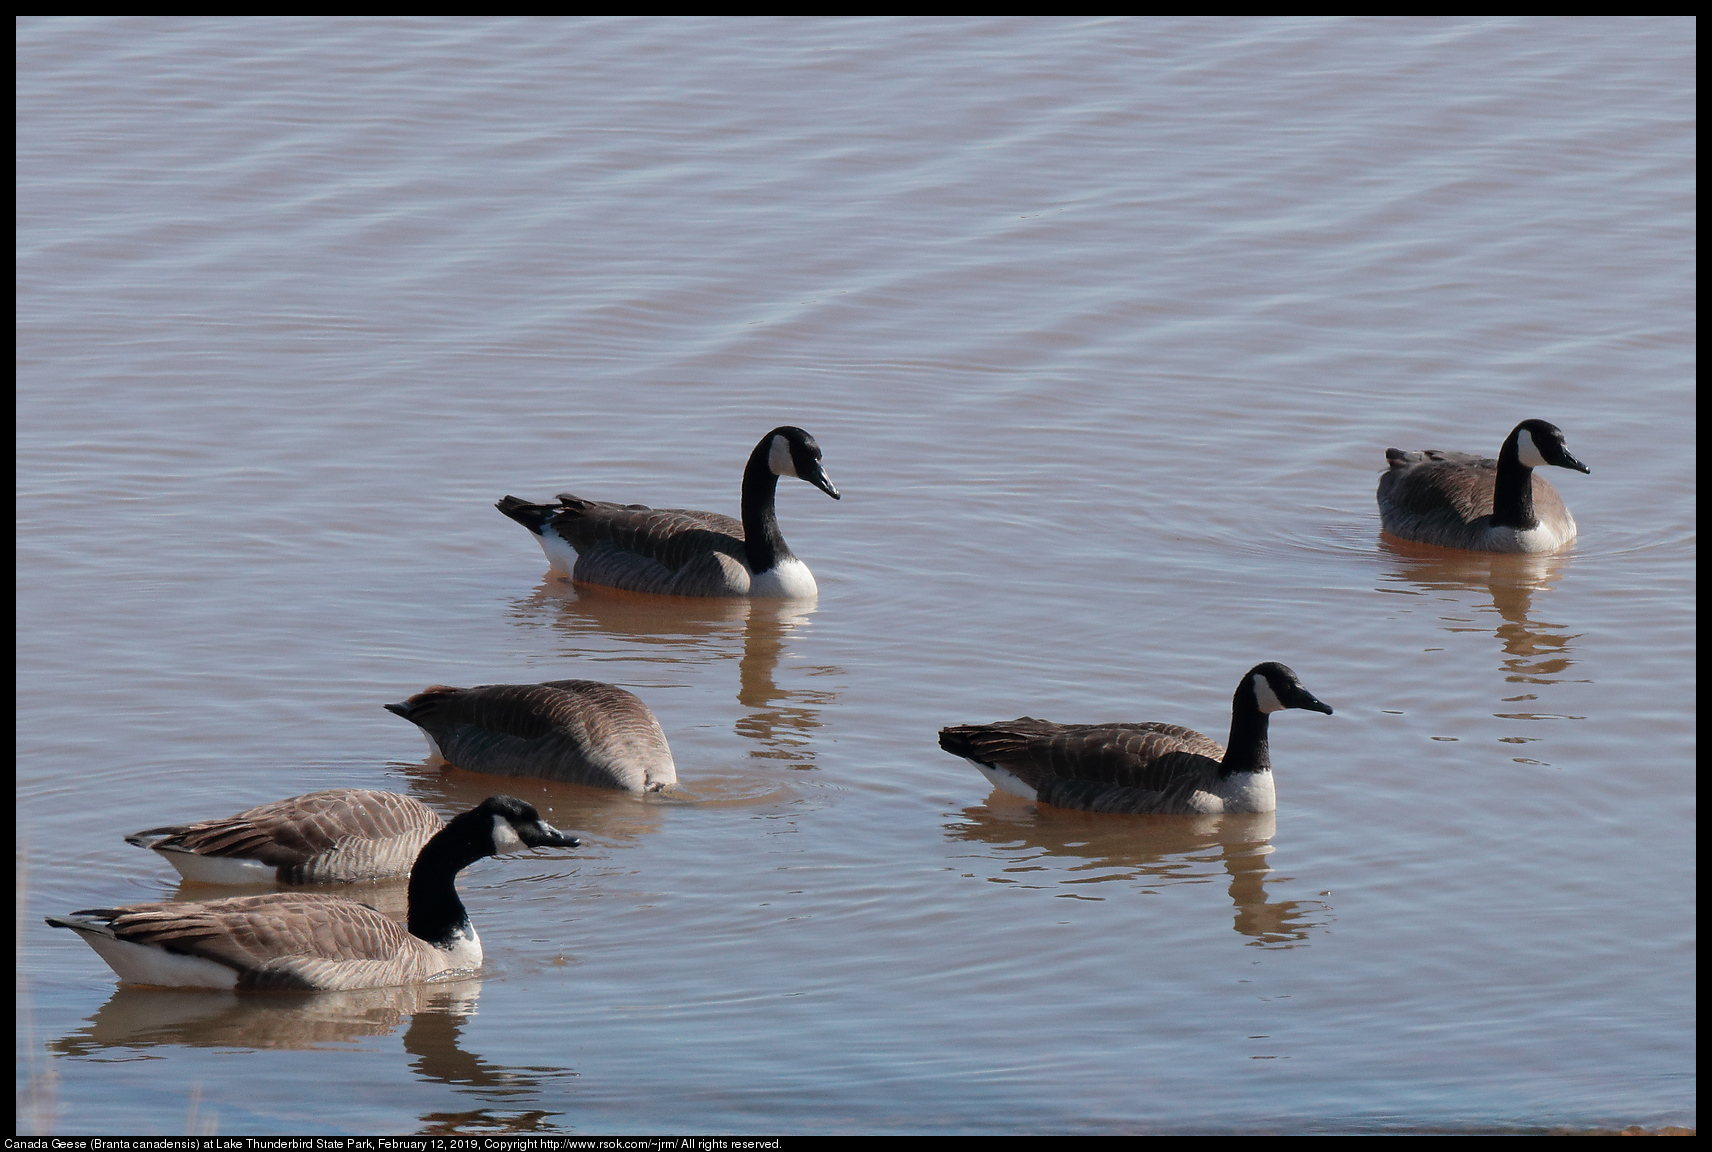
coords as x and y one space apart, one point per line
606 716
267 938
530 711
1150 757
580 731
1184 774
1431 480
288 833
671 537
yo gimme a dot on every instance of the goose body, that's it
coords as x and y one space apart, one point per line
678 552
1456 500
1139 768
573 731
305 941
341 836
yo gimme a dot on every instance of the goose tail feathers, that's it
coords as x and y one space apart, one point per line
532 516
422 704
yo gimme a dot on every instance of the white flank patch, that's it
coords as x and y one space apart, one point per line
505 837
142 964
1265 696
1005 780
1527 451
779 457
560 555
219 869
788 579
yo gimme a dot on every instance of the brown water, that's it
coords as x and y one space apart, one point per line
1103 327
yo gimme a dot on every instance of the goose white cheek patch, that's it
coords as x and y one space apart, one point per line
1527 451
1264 696
505 839
779 457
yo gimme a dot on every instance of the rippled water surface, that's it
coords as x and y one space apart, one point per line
1103 326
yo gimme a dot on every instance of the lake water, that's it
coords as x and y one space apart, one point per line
1103 326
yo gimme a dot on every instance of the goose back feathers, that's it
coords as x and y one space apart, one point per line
573 731
1456 500
302 941
344 835
679 552
1139 768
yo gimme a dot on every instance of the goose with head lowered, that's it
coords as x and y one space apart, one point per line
677 552
340 836
307 941
1139 768
572 731
1456 500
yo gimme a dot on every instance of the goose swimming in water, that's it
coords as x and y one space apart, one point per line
341 836
678 552
573 731
1456 500
306 941
1139 768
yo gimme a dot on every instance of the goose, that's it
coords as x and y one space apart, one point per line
1139 768
341 836
574 731
305 941
1456 500
677 552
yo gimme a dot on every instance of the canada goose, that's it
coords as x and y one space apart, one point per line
1456 500
575 731
678 552
307 940
1139 768
341 836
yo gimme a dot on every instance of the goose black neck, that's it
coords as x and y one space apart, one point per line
1513 492
436 914
1247 750
762 542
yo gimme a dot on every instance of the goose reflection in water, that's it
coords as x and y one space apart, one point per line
1533 651
603 624
779 720
1069 853
142 1018
138 1017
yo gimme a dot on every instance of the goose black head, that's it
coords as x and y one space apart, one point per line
1276 687
516 826
1538 443
793 452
